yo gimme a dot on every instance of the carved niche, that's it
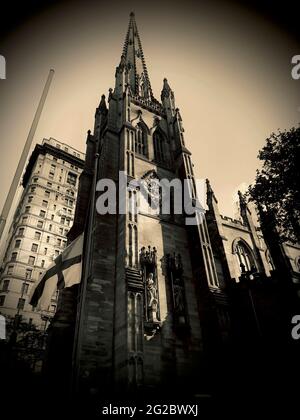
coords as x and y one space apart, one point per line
148 264
175 275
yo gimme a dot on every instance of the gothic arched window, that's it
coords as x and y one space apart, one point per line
141 140
244 255
158 144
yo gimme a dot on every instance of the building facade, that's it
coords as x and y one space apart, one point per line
38 233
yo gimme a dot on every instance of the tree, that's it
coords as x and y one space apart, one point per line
276 188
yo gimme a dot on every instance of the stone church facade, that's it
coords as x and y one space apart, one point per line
164 300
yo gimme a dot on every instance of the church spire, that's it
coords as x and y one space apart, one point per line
133 60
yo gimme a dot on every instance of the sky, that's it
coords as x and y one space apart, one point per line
228 64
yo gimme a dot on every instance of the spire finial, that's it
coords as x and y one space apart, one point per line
242 199
210 192
134 59
165 93
102 106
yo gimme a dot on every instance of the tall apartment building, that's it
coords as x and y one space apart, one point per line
41 222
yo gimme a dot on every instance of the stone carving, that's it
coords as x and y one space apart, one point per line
150 188
148 265
178 296
152 301
148 257
175 274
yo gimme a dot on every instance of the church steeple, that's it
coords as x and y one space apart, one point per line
132 60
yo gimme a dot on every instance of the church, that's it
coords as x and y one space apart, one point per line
166 307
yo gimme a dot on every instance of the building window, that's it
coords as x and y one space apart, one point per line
45 251
43 263
2 300
52 216
37 235
21 231
48 239
31 260
71 179
24 219
244 256
27 209
42 213
54 206
56 197
58 146
35 179
49 184
34 247
50 227
39 224
55 159
62 220
47 193
24 289
61 231
56 253
10 269
51 175
14 256
21 303
32 189
18 243
45 203
141 140
70 192
5 286
28 274
69 202
158 143
53 308
30 199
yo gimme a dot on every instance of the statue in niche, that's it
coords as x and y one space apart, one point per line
175 274
152 301
178 296
148 264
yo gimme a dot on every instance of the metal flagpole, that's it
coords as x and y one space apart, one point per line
83 286
16 179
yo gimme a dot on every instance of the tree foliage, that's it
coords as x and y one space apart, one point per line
276 188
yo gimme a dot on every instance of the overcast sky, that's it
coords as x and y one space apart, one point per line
230 69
